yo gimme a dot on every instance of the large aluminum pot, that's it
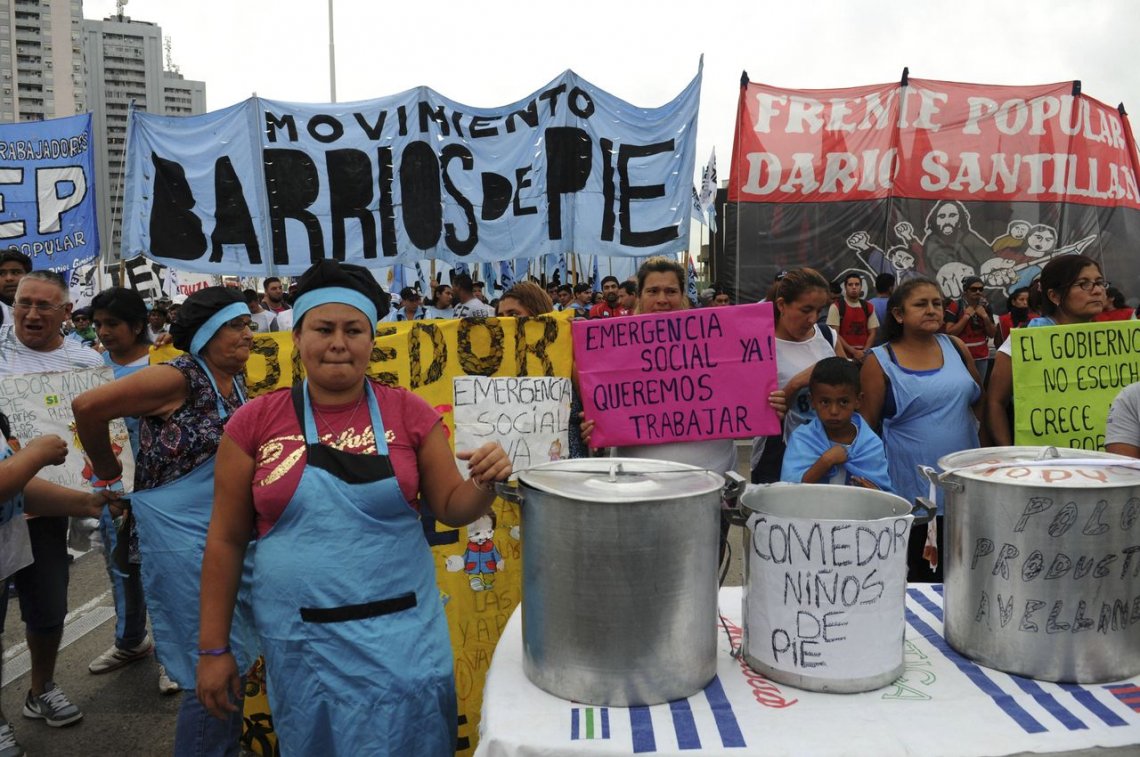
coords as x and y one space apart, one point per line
1043 564
619 578
825 585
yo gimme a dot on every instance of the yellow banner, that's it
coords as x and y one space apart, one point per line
424 356
1066 377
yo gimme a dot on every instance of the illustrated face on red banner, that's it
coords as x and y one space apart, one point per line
931 140
938 179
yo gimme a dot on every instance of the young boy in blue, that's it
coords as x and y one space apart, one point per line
837 446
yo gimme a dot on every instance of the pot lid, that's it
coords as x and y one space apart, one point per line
1043 466
620 479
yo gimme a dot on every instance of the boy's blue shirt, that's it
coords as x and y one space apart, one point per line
866 457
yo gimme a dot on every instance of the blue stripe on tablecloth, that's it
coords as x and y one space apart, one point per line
726 723
926 602
1051 705
574 724
684 725
641 728
605 722
1093 705
1005 701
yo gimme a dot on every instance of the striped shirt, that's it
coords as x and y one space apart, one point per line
16 358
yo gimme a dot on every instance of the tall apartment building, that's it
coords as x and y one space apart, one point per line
41 59
124 61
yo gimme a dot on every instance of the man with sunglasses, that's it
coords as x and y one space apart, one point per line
970 319
34 343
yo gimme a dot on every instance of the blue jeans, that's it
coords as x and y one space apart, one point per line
200 734
130 607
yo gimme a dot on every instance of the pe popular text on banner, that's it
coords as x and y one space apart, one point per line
47 195
274 186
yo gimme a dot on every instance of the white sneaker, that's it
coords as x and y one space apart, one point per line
115 658
165 685
9 747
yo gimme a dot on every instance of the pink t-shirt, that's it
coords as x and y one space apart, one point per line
268 431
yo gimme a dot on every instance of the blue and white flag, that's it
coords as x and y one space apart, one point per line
399 279
708 190
47 191
595 280
423 276
506 274
273 185
695 210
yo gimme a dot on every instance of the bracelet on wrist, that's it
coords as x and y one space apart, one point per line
214 652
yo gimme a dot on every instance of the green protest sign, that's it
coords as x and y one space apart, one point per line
1066 377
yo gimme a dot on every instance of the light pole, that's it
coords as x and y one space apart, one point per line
332 57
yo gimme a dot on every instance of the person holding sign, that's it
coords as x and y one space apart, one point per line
923 388
837 446
20 493
357 649
1072 291
182 406
799 296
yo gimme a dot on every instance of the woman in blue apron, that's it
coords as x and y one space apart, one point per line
345 602
119 319
182 406
20 493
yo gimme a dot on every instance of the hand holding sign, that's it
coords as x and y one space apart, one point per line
678 376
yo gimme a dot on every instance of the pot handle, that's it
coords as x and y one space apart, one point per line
734 486
924 510
939 479
510 491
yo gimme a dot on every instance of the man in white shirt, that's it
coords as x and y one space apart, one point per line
261 318
469 306
34 343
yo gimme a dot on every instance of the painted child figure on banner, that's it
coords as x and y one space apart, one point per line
836 446
482 559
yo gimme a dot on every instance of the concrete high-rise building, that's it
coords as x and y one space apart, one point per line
41 59
124 60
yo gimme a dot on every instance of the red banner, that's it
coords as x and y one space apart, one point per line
932 140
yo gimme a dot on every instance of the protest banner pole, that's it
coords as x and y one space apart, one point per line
332 57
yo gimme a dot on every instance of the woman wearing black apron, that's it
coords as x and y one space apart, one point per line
345 602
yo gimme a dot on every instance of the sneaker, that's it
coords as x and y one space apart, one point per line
9 747
165 685
53 707
115 658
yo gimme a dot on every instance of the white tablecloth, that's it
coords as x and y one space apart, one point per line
944 704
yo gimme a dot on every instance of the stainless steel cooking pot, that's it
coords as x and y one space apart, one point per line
1043 561
825 585
619 578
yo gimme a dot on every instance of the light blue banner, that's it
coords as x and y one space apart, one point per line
47 191
268 186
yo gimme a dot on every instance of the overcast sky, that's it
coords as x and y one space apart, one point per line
493 53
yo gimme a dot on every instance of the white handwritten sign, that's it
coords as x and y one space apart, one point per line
829 595
529 416
40 403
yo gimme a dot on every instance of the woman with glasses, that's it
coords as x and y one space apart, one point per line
1072 291
182 406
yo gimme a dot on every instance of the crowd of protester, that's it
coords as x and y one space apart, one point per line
868 391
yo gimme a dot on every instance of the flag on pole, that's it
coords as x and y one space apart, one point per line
708 190
595 280
461 268
399 279
506 274
692 280
423 276
696 211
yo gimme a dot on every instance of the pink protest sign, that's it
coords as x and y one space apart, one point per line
679 376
